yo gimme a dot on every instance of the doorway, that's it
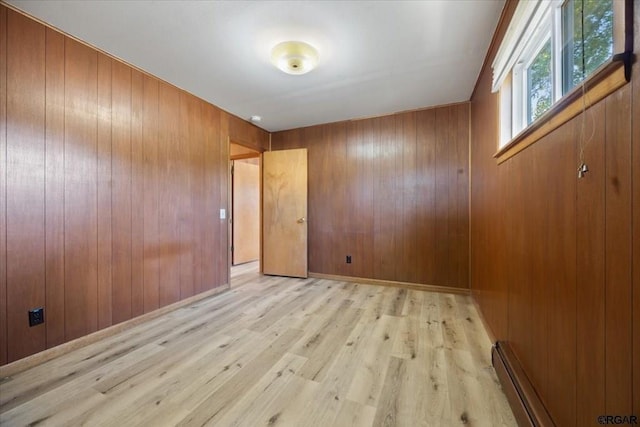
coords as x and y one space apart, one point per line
268 210
245 215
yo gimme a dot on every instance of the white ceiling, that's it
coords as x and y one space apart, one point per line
376 57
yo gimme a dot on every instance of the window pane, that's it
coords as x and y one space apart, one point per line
539 85
592 19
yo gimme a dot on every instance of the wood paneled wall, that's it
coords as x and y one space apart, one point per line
554 258
247 134
111 184
392 192
635 250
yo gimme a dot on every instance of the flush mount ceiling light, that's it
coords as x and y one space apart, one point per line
294 57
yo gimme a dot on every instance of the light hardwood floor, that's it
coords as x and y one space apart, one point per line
277 351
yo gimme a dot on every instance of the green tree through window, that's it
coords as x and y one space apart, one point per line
582 57
539 84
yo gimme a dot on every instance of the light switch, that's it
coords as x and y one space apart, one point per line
223 214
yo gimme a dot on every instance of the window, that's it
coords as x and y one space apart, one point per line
587 34
549 49
539 83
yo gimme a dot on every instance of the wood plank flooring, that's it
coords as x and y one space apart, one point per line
277 351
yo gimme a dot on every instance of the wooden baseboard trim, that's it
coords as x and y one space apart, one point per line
391 283
53 352
525 403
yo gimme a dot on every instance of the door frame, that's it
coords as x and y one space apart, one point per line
256 154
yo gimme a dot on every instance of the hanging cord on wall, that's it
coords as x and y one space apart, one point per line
584 142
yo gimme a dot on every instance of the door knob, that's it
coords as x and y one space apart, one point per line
301 220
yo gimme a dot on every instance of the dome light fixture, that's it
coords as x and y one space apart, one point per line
294 57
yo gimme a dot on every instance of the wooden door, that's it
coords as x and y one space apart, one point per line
246 210
285 213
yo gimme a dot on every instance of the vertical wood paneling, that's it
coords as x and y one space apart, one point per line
560 262
185 182
197 195
370 151
636 220
392 192
406 134
105 243
538 267
54 187
519 275
25 183
425 223
496 236
385 240
572 242
451 180
80 169
618 320
211 121
547 236
121 168
331 181
109 190
151 263
539 336
3 186
168 155
461 250
366 203
349 216
342 245
590 296
320 180
363 225
325 180
196 162
488 201
137 195
441 213
246 133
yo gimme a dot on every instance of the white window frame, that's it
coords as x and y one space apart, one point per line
520 76
532 23
527 32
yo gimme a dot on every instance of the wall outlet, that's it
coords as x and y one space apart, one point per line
36 316
348 259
